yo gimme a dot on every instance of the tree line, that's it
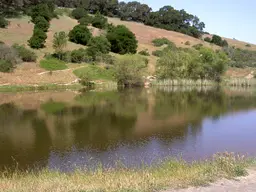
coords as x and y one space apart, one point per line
166 17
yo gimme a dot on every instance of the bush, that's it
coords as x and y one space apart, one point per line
122 40
198 46
42 10
217 40
37 41
63 11
52 64
85 20
98 45
208 39
105 58
6 66
79 56
157 53
80 34
161 41
99 21
3 22
41 23
224 43
128 70
247 45
187 43
78 13
144 52
9 54
25 54
60 40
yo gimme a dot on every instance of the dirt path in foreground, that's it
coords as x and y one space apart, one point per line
243 184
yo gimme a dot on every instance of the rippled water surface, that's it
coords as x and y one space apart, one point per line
68 130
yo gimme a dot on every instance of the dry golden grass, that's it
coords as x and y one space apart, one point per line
169 174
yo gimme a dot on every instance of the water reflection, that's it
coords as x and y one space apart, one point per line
136 126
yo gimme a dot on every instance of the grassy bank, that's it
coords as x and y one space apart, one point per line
168 174
43 87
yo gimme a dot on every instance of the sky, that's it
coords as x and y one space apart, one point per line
227 18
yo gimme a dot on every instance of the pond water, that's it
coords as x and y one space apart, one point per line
70 130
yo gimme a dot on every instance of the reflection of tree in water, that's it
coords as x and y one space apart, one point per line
17 123
103 119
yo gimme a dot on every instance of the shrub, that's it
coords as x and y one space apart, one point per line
6 66
42 10
9 54
144 52
98 45
122 40
217 40
3 22
128 70
157 53
25 54
37 41
208 39
80 34
79 56
105 58
63 11
161 41
41 23
247 45
78 13
198 46
60 41
85 20
224 43
187 43
99 21
1 42
52 64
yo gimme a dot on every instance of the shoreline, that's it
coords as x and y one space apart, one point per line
169 175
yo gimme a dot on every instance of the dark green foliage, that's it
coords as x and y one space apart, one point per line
80 34
37 41
144 52
1 42
42 10
208 39
99 44
224 43
247 45
133 11
3 22
158 42
85 20
171 19
99 21
157 53
217 40
79 56
6 66
41 23
25 54
79 13
122 40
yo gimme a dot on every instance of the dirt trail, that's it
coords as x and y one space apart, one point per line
243 184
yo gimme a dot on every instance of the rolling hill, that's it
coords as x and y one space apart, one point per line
20 30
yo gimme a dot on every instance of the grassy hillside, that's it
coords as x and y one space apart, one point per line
20 30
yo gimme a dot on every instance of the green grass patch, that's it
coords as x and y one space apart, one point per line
53 64
52 107
44 87
95 72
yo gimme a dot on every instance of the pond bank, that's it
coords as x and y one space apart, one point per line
169 174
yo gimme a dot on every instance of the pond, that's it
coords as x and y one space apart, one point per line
134 127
